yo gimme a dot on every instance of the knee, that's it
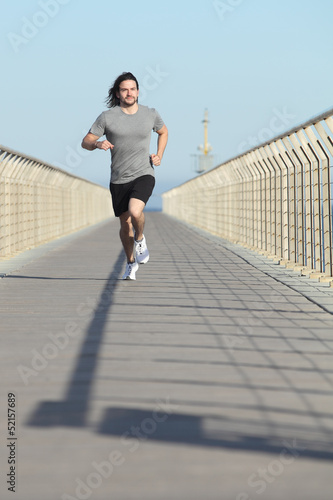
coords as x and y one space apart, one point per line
136 213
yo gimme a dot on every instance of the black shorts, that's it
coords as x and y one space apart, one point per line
140 188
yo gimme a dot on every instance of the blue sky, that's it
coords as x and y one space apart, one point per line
259 67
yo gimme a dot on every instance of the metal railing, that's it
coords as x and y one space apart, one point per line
275 198
39 202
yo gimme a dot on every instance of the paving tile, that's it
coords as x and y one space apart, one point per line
204 370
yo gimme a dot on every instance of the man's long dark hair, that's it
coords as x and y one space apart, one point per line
112 100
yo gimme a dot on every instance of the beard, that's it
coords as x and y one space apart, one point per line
129 101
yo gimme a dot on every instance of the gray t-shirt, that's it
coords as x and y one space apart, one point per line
131 136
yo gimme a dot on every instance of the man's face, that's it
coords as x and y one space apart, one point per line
128 93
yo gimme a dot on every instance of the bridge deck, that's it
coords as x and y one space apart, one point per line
207 378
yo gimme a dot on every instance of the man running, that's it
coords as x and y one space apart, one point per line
127 126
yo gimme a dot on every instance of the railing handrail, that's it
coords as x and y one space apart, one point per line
40 202
45 163
275 198
296 128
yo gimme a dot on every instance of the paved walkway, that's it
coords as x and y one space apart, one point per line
208 378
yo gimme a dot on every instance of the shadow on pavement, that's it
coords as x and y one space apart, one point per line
73 410
136 425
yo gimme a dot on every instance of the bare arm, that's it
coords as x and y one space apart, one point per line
91 142
161 145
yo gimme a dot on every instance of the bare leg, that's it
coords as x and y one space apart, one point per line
127 235
134 217
135 208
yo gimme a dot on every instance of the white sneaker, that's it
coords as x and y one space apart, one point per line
131 269
141 250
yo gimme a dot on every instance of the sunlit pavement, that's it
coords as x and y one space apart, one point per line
206 378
